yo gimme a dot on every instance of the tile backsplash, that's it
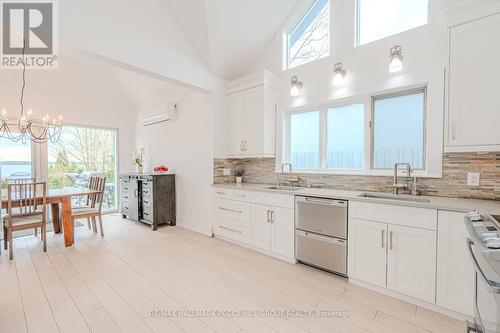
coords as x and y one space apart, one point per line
453 184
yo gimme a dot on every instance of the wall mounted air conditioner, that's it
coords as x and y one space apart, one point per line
161 113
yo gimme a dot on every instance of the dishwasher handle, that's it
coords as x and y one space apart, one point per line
323 201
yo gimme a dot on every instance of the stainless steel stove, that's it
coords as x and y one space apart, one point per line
484 246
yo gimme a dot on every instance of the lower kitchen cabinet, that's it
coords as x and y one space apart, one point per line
455 272
367 251
261 228
399 258
273 229
411 262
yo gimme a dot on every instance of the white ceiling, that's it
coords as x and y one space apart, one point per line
229 34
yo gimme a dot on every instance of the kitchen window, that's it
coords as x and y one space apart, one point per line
309 40
345 137
362 135
305 140
398 129
377 19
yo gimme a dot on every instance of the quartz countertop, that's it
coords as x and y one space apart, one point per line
441 203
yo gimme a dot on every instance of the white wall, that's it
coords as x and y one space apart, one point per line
424 51
135 34
185 145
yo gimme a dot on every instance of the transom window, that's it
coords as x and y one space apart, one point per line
359 137
310 38
377 19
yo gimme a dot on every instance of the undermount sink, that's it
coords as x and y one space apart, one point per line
283 188
389 196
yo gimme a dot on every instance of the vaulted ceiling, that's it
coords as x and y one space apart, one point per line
229 34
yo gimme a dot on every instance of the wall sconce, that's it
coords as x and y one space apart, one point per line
338 74
296 86
396 56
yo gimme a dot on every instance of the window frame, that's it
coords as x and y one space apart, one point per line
298 18
368 100
399 93
357 24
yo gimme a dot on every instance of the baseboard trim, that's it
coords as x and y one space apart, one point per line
195 225
411 300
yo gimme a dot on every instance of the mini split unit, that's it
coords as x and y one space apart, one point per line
161 113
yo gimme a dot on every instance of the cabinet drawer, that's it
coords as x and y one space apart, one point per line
393 214
233 210
275 200
232 194
147 215
239 232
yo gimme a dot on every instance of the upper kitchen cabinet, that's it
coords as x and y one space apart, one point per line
473 110
251 114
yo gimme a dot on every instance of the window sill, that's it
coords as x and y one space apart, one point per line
372 173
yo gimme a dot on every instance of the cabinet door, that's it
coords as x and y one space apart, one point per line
236 123
367 245
455 273
473 115
254 121
282 232
411 262
261 227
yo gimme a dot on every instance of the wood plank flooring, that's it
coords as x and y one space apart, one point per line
132 279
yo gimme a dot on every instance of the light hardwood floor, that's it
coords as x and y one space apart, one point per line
115 283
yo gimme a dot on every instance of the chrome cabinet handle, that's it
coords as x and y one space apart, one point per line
241 145
221 193
272 216
268 218
383 233
229 229
390 240
245 145
231 210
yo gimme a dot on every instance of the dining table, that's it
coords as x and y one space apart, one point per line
60 205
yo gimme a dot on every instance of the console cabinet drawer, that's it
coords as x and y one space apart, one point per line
275 200
233 210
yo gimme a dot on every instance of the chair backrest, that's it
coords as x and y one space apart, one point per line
27 198
90 187
21 180
98 185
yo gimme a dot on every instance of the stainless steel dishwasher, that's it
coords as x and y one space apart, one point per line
321 233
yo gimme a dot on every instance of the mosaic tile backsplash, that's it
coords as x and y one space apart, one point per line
453 184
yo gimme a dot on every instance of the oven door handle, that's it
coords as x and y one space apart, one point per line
493 287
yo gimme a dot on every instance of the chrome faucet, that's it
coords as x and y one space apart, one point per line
397 185
289 172
283 165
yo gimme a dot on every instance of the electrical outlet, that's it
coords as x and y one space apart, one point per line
226 172
473 178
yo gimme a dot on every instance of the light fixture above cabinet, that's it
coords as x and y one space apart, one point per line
396 56
296 86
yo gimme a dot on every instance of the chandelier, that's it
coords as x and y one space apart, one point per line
23 127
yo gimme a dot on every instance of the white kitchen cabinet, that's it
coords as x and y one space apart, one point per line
261 229
473 115
251 114
455 272
411 262
282 232
367 251
273 229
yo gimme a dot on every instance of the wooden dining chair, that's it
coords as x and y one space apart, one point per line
22 181
93 210
26 209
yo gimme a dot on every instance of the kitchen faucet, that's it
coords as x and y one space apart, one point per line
396 183
289 172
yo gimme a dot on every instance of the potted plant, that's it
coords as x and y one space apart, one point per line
238 173
138 159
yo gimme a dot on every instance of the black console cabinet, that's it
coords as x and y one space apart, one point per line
149 198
